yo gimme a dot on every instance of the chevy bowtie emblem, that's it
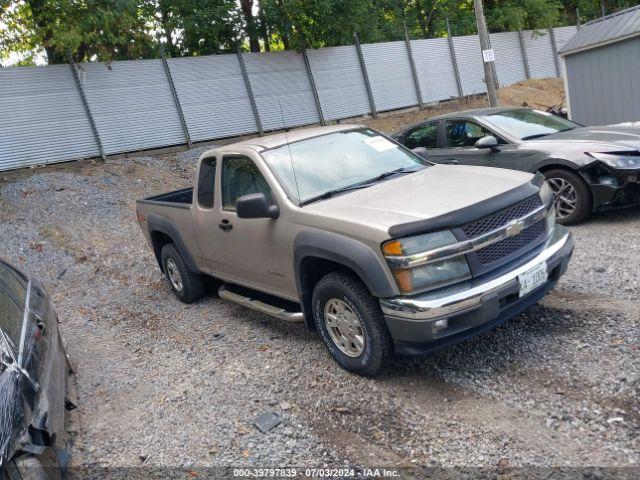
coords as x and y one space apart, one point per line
514 227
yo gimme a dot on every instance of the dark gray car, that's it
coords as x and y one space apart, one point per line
589 168
35 381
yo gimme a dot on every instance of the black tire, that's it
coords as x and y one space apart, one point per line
378 345
584 200
29 467
193 285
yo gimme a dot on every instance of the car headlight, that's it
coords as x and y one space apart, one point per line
409 261
621 160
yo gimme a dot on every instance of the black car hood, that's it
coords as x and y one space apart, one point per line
607 137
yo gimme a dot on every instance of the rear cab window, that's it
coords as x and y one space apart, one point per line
240 177
206 182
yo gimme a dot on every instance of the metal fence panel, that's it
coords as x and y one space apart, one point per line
390 75
509 62
435 69
563 35
42 120
339 81
469 57
213 96
282 90
132 105
540 53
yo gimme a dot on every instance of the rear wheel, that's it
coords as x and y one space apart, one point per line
186 285
351 324
573 198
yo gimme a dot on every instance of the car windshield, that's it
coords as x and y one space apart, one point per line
527 124
316 167
12 297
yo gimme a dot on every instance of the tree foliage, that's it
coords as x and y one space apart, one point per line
105 30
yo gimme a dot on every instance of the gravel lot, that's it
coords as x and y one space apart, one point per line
165 384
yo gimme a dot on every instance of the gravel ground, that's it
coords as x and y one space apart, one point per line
161 383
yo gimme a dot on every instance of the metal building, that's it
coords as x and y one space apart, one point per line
602 63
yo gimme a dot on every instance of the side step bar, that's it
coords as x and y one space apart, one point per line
280 313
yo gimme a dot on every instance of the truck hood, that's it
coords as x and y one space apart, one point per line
429 193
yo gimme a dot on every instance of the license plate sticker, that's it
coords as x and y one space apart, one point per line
532 278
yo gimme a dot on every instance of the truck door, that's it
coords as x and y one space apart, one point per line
252 252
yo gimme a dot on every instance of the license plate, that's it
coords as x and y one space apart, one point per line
532 278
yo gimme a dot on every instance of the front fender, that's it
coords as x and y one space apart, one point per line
346 251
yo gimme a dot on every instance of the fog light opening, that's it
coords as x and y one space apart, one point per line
439 325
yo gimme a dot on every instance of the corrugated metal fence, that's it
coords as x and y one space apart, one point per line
65 112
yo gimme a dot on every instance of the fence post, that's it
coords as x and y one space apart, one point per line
454 60
365 75
174 93
414 71
247 84
554 49
85 104
525 57
313 86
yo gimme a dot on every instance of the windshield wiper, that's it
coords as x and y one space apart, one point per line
357 186
538 135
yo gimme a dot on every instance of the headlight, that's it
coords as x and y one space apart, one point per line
429 275
622 160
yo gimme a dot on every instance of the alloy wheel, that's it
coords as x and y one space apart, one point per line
174 275
566 196
344 327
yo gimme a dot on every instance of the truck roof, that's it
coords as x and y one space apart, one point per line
277 140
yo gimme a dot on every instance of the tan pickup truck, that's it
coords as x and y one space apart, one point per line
369 244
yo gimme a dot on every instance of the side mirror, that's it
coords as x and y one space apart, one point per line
255 205
488 142
421 151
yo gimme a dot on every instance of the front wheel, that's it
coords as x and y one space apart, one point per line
573 198
351 324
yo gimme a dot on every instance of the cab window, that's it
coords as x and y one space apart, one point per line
423 136
240 176
206 182
465 133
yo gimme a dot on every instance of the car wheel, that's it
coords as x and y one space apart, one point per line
351 324
573 198
186 285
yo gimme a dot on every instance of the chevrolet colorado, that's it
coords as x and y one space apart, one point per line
369 244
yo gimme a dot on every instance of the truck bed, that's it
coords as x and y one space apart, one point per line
183 196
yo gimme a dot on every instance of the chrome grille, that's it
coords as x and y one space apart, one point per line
509 245
501 218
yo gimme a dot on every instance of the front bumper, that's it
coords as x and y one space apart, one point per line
416 323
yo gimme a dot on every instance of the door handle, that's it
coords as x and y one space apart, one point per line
452 161
225 225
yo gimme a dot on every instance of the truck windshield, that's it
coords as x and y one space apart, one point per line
317 167
527 124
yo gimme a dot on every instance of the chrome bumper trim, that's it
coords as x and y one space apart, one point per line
433 305
461 248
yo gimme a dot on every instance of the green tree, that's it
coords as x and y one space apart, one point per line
198 27
90 29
